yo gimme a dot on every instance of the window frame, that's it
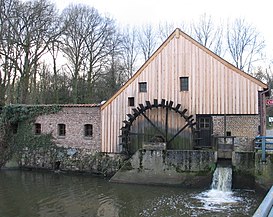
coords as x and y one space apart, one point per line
131 101
88 130
142 86
61 130
37 129
204 123
184 83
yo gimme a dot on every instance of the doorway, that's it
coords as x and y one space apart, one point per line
204 127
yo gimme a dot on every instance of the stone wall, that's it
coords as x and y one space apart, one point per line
243 127
191 168
74 118
71 160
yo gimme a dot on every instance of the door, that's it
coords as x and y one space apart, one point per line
204 124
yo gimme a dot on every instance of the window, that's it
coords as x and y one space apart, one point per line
61 129
184 83
142 86
38 129
131 101
204 123
88 130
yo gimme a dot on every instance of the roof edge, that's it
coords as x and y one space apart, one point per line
176 33
146 63
223 61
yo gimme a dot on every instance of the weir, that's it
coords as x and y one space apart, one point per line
220 196
222 179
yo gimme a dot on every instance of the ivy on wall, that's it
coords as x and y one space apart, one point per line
16 129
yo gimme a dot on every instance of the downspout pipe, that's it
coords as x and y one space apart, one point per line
263 113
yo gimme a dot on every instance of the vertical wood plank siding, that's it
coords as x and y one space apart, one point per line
215 86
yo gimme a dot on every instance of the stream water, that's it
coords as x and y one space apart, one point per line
47 194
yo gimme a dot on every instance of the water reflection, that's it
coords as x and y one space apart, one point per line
31 194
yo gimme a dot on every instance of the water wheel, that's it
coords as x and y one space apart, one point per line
158 122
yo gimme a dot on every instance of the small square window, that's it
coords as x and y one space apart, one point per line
184 83
131 101
38 129
142 86
88 130
61 129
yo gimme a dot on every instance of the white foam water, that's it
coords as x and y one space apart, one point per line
220 196
222 179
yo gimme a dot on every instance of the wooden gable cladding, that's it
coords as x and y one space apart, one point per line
215 86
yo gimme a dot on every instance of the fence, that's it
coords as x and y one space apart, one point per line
264 143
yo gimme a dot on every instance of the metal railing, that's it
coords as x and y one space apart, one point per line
265 209
264 143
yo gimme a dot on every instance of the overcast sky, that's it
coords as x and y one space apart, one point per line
259 13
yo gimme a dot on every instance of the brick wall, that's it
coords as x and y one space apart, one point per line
74 119
244 127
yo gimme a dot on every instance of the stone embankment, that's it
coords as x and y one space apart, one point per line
71 160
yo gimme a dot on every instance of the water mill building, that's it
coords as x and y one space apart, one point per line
183 95
179 107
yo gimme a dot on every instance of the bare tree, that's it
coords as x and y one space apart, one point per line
7 52
73 45
54 50
130 50
207 34
115 70
264 74
30 29
245 44
87 35
164 30
147 39
102 42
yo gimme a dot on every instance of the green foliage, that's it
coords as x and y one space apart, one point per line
22 117
212 167
127 166
12 114
25 138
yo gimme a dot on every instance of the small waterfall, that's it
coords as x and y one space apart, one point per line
222 179
220 196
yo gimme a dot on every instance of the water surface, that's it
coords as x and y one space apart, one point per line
45 194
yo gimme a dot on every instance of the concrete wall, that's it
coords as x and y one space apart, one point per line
264 170
74 118
185 168
243 127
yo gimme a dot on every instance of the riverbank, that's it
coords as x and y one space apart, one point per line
191 168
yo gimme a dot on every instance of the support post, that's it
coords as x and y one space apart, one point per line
263 149
262 112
